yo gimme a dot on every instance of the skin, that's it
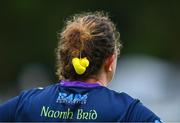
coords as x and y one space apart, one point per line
106 73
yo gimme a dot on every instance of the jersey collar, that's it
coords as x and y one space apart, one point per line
78 84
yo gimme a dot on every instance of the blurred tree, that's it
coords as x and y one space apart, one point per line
29 28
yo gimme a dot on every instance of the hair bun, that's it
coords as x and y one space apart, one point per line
84 35
77 32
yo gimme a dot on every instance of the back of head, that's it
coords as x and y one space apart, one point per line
90 35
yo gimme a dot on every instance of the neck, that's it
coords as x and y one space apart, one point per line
92 80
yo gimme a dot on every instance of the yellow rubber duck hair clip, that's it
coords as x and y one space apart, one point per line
80 64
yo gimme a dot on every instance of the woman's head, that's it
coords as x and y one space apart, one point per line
90 35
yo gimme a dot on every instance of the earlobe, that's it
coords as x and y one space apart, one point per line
110 69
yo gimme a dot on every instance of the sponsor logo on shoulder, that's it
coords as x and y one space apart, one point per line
158 121
40 88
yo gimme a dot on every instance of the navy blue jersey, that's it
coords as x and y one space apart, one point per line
75 101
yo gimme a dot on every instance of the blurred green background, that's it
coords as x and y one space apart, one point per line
28 31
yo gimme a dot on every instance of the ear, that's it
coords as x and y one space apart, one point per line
109 62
